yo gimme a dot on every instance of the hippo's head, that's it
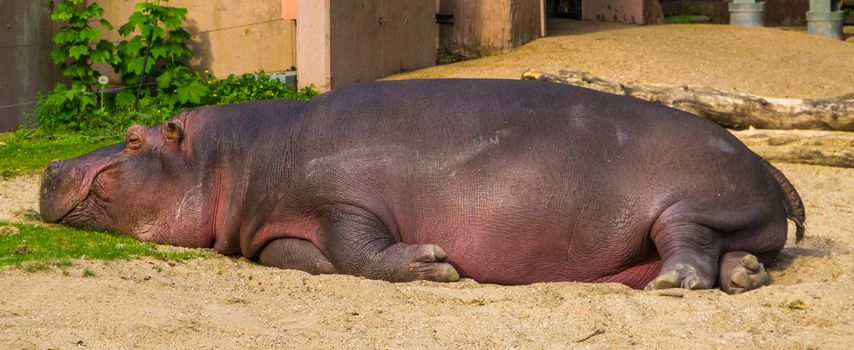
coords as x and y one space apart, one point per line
143 186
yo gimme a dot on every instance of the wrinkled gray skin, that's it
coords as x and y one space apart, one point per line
508 182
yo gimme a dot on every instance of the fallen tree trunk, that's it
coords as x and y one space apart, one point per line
833 148
732 110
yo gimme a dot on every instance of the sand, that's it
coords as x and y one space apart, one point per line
230 303
763 61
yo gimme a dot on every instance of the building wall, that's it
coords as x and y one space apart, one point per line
486 27
525 21
25 65
229 36
623 11
341 42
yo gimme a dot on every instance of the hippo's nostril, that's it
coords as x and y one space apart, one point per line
54 164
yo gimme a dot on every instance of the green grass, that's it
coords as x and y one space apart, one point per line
39 247
26 153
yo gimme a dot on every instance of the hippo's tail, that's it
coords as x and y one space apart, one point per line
791 200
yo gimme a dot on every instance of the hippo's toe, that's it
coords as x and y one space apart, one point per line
429 265
741 272
683 276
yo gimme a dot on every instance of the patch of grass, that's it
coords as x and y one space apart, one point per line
87 272
28 153
54 246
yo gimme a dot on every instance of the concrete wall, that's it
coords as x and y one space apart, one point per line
229 36
341 42
486 27
25 65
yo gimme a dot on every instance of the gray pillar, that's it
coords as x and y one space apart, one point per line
747 13
825 18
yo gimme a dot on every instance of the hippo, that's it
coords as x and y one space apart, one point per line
500 181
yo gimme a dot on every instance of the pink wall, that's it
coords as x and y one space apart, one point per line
625 11
289 9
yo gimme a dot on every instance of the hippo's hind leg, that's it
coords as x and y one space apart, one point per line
296 254
359 244
742 271
689 254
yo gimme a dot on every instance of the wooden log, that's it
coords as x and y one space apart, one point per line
731 110
833 148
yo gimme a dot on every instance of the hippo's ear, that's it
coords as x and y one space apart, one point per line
173 131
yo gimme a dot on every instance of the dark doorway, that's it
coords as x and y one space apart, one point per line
563 8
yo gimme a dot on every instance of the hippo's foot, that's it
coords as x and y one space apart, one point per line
428 264
683 272
741 272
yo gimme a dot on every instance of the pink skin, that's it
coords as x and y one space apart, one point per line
378 181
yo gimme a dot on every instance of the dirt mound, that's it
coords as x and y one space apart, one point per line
762 61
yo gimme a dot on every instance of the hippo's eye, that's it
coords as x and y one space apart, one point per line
133 141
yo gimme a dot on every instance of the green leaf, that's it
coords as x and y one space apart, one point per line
63 12
58 55
158 52
135 65
126 29
74 72
77 51
86 100
179 35
101 56
192 92
106 24
179 50
172 23
89 34
137 19
60 38
105 45
125 99
158 33
183 94
164 80
178 12
133 46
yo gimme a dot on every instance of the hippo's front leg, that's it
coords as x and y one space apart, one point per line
296 254
358 243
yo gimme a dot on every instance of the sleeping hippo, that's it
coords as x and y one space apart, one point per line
500 181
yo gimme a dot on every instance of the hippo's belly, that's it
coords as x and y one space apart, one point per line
530 222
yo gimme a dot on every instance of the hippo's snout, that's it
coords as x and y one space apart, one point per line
66 183
57 197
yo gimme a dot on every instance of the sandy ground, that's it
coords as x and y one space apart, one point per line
763 61
229 303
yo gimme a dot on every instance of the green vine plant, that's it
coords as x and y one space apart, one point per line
158 48
78 46
164 81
